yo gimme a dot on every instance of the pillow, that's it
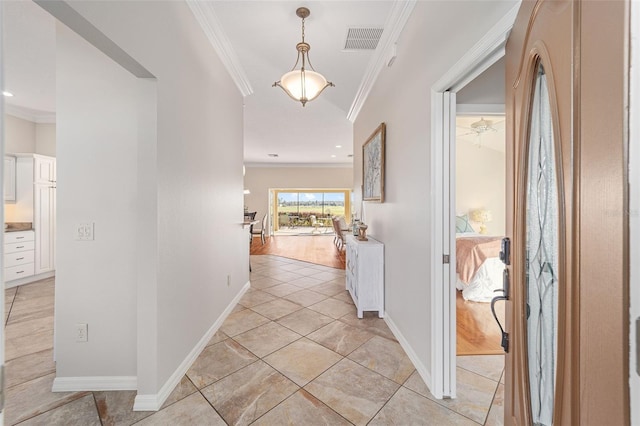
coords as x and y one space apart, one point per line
463 225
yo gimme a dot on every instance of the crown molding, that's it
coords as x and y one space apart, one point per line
481 56
39 117
397 19
208 20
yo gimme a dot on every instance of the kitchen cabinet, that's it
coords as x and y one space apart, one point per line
44 170
44 219
19 255
9 178
36 191
365 274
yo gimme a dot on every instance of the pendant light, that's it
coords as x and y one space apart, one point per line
303 85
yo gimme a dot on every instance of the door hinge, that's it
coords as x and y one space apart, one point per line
445 258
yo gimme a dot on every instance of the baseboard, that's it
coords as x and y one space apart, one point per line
153 402
97 383
31 279
420 367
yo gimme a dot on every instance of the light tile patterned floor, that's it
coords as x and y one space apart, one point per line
292 352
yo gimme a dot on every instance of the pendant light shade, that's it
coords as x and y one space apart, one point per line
303 85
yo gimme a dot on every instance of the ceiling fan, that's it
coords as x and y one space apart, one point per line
478 128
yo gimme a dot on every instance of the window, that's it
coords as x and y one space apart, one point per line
298 205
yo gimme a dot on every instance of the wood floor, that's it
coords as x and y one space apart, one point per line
478 333
318 249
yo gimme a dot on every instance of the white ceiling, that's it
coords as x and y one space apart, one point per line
266 49
263 35
29 59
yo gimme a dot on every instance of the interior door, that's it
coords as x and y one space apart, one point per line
566 196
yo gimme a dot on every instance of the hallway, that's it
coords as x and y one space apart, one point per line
293 351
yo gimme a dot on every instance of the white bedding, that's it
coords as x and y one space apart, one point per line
487 279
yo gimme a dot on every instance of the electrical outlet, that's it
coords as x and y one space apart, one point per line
229 280
82 333
84 231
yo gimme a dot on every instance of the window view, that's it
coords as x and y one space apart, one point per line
309 209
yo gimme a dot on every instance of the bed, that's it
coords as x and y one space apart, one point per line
478 266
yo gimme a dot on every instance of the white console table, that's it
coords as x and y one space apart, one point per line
365 274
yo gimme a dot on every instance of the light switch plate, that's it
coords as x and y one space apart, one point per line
84 231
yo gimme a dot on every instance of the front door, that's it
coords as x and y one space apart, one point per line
566 204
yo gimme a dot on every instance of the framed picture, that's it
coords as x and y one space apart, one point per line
373 166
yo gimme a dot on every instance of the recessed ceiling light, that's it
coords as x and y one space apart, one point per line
338 146
7 94
333 156
272 155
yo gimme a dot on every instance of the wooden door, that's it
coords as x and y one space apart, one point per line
566 201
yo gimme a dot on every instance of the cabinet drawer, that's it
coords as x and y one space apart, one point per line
16 247
15 272
18 236
19 258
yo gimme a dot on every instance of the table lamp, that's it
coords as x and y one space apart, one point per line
481 216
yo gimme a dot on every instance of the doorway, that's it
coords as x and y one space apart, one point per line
443 310
479 180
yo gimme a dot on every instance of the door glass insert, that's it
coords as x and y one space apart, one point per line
541 256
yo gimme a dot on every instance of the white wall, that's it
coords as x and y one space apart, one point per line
198 207
259 180
24 136
95 280
19 135
480 183
401 98
46 139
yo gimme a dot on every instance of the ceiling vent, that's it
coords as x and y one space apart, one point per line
362 38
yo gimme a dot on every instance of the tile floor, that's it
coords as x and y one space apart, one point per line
292 352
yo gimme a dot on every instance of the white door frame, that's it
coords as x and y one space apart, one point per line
485 53
2 150
634 216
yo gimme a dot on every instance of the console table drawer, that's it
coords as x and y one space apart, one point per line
365 274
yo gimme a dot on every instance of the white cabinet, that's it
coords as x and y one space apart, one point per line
44 219
365 274
9 178
19 255
44 170
36 182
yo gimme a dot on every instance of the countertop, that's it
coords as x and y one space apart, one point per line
18 226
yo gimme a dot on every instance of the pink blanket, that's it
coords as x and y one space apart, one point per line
471 252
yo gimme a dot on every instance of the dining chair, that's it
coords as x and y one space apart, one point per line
262 231
315 223
339 238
